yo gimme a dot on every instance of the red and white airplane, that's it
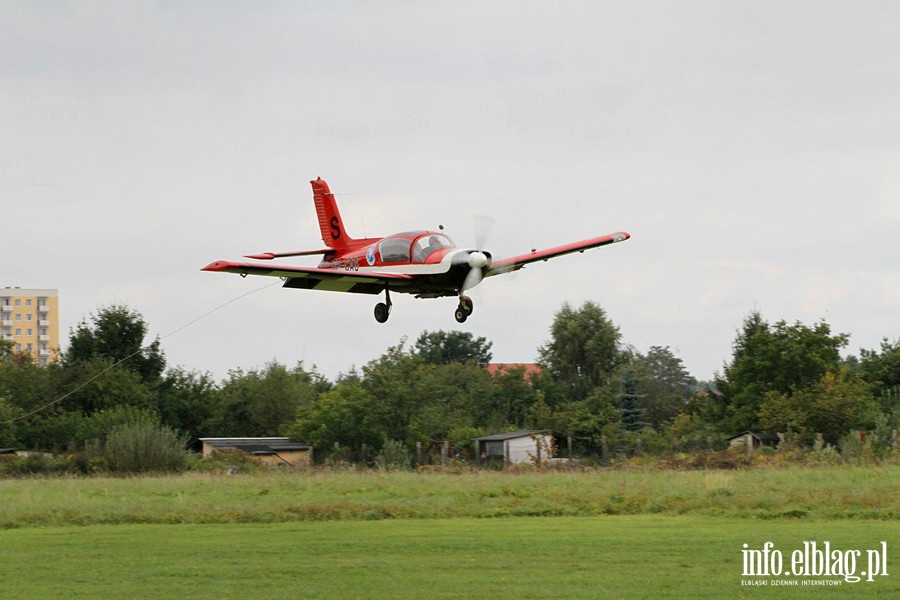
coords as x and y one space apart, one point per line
425 263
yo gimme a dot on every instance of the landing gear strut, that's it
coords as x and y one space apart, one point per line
383 309
465 308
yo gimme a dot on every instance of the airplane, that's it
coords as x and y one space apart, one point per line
425 263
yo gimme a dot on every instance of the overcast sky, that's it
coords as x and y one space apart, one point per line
752 150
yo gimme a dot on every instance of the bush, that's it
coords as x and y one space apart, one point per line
393 456
143 446
33 464
97 426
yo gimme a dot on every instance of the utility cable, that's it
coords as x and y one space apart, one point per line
136 352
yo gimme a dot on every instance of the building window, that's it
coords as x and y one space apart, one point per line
18 302
18 332
28 302
29 316
42 362
18 317
30 348
30 332
18 347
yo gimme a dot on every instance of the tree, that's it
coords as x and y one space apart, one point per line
8 432
443 347
259 403
116 333
388 380
343 415
188 402
777 358
664 385
7 347
584 349
512 397
454 396
834 405
92 386
882 371
629 403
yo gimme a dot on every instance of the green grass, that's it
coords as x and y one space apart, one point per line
792 493
614 534
646 556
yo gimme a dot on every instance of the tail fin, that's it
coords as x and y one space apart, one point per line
330 222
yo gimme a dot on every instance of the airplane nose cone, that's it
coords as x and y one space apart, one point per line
477 260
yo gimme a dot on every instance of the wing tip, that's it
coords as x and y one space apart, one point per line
219 265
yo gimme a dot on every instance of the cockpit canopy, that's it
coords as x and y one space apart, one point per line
413 246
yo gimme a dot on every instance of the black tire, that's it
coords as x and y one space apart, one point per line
381 312
461 314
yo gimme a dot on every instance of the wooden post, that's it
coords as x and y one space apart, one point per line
506 451
445 450
604 448
418 453
569 444
365 454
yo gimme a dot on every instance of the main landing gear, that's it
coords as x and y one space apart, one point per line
462 312
383 309
465 308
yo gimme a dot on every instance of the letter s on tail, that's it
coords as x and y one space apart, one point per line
330 222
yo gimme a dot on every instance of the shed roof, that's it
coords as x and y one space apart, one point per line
499 437
763 436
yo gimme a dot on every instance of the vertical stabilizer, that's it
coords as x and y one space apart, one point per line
330 222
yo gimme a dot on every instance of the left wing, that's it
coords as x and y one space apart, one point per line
506 265
314 278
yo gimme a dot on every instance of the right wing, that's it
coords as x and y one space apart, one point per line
506 265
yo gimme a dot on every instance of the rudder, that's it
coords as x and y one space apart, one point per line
330 222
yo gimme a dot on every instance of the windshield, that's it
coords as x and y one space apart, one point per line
429 244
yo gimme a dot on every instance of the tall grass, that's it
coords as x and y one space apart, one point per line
793 493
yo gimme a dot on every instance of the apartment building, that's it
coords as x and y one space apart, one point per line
30 319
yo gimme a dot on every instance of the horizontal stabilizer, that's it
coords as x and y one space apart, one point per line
271 255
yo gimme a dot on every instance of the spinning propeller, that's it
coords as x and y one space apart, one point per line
479 259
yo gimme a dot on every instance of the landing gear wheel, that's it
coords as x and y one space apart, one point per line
382 312
466 303
461 314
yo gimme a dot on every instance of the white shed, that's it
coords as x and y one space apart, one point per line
515 446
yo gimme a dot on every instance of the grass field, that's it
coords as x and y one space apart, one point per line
827 492
405 535
567 557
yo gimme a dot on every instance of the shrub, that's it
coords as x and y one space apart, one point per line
393 456
144 446
101 423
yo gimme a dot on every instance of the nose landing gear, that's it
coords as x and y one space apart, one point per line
465 308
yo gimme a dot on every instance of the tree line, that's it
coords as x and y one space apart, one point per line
592 389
